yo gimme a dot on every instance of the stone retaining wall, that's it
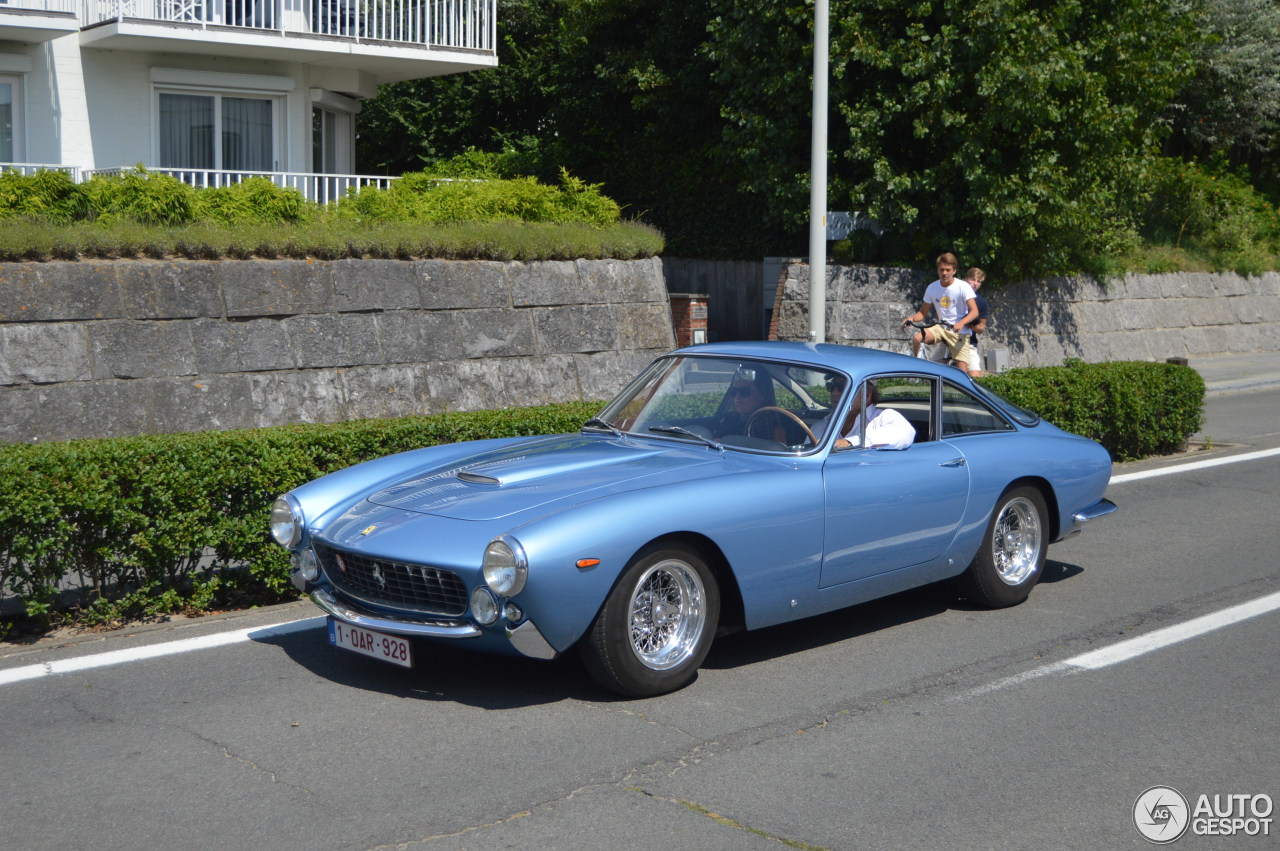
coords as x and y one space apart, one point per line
130 347
1040 323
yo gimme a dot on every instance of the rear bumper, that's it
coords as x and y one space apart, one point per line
1101 508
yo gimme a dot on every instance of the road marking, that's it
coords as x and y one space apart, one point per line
1193 465
152 651
1140 645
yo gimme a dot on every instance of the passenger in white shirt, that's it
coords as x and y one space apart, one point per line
884 428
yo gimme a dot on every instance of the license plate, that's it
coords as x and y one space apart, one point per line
389 648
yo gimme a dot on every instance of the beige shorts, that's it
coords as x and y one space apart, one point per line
954 345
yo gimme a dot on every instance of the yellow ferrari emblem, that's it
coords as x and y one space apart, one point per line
368 530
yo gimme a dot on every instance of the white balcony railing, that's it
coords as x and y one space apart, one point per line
322 188
40 5
32 168
464 24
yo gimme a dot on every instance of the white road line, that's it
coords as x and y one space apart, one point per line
152 651
1137 646
1193 465
1140 645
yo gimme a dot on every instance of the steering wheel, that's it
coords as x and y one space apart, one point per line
771 409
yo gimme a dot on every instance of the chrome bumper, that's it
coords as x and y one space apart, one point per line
1101 508
426 627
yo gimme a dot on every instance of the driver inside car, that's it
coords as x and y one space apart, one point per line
884 428
750 390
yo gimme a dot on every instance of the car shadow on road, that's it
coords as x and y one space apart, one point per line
746 648
446 673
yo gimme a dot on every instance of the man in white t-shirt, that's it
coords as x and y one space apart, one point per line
953 302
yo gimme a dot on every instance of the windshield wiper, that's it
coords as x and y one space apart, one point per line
599 423
675 429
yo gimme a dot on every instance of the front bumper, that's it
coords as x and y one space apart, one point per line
526 639
1101 508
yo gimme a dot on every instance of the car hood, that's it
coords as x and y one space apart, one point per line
526 475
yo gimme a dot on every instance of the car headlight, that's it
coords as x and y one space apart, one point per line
505 566
483 607
286 521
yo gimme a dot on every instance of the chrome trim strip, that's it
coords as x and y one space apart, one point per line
358 617
528 640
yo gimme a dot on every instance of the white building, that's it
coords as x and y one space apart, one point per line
213 89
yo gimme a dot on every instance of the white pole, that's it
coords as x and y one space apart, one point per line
818 178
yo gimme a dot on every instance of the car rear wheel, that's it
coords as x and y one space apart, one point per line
656 627
1013 551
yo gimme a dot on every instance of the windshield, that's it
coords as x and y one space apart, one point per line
727 403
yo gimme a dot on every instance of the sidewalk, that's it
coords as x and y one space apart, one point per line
1236 373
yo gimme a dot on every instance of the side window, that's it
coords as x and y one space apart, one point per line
911 396
964 413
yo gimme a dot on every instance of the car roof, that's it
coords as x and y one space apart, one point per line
854 360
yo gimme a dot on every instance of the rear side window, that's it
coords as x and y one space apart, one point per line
964 413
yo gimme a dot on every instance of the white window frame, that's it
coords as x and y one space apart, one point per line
341 110
19 115
216 84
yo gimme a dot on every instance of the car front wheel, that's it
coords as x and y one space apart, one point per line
1013 551
656 627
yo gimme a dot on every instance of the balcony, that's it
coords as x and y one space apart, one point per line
389 38
322 188
37 20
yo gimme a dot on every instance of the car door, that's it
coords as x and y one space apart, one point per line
891 509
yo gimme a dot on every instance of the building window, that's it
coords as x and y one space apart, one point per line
11 131
324 140
207 131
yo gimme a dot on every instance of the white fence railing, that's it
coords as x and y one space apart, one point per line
322 188
465 24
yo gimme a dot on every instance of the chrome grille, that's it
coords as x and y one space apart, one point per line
392 583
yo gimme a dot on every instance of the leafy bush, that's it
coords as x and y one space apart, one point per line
1210 211
254 199
1133 408
148 523
141 196
50 195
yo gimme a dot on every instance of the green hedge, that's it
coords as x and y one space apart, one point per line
161 514
1133 408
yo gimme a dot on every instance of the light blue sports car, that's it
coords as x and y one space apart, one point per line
713 493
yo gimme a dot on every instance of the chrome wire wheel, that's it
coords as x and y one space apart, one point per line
668 614
1016 541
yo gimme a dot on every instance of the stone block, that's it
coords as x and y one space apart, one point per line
586 328
169 290
141 349
621 282
471 385
553 282
256 345
386 391
297 396
460 284
862 322
327 340
18 284
207 403
493 333
1211 311
602 375
66 292
1174 313
374 285
275 287
1135 314
644 326
44 353
416 336
1251 309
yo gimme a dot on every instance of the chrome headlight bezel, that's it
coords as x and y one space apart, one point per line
287 521
505 566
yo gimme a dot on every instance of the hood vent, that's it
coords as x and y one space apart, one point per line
476 478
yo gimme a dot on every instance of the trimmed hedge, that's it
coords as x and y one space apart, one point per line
154 518
163 513
1133 408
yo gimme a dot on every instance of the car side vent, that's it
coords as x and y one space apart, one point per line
478 479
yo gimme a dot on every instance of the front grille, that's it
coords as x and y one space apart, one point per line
392 583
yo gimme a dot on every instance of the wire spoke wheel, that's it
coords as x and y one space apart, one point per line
668 615
1016 542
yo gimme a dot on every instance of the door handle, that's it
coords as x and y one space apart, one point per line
954 462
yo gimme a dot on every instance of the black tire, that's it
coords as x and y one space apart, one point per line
1013 551
656 627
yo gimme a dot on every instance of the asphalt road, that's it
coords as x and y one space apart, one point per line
913 722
